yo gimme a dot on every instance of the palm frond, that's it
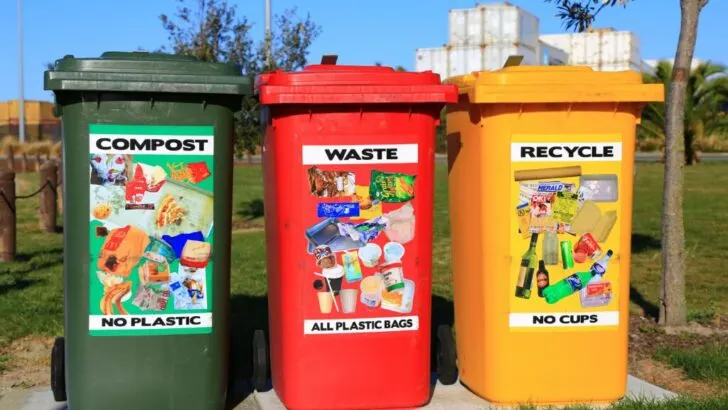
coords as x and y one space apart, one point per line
650 130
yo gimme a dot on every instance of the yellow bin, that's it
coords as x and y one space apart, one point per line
541 172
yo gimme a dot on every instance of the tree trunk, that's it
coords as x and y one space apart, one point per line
689 154
691 148
673 311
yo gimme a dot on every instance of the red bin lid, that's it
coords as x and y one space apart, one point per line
341 84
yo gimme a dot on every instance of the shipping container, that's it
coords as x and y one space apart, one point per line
648 68
620 46
493 24
452 61
560 41
621 67
40 123
432 59
598 48
550 55
35 111
4 114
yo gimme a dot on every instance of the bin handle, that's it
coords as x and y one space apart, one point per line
329 59
512 61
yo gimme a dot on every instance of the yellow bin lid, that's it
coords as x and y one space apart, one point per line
555 84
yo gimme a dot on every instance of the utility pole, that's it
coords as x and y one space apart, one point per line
21 100
268 36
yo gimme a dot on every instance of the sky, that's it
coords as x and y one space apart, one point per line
358 31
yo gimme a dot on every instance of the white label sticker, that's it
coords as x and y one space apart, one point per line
567 151
148 322
564 319
360 154
151 144
368 325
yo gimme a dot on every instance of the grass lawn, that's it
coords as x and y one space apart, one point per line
676 404
31 289
701 363
706 219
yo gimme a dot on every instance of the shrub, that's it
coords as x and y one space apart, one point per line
9 141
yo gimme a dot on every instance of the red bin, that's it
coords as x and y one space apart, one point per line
348 158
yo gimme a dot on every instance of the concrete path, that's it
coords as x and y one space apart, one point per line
444 397
640 389
457 397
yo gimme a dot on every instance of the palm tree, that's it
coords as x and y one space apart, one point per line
707 95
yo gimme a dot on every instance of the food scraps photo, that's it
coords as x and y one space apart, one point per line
151 225
364 221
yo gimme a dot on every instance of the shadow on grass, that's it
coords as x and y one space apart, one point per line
251 209
643 243
651 310
29 257
14 273
17 285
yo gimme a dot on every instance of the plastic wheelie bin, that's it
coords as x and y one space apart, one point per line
540 188
348 156
147 169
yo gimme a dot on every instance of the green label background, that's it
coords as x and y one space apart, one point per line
96 289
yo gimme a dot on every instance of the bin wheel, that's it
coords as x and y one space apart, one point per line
447 371
260 361
58 369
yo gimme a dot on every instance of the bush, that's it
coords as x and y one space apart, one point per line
38 148
9 141
649 145
57 150
712 144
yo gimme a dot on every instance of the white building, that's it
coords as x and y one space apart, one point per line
483 37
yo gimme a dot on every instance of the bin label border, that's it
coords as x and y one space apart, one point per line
361 325
565 195
157 140
563 319
150 322
537 151
151 230
360 154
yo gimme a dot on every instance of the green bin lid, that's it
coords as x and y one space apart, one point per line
146 73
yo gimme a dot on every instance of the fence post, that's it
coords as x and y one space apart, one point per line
24 162
10 157
59 184
48 196
7 215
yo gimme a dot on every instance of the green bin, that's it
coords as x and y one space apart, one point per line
147 169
